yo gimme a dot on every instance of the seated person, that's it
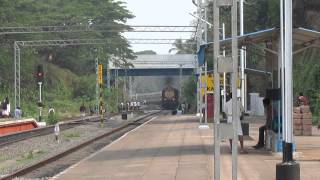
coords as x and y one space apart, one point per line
179 111
268 125
17 112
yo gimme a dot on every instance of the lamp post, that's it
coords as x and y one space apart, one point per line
40 101
242 56
180 80
97 80
288 169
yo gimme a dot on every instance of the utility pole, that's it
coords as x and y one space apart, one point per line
40 76
224 74
40 101
206 63
242 57
116 84
225 65
125 85
97 84
200 39
101 104
180 80
199 34
288 169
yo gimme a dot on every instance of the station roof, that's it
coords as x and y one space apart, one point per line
184 61
304 38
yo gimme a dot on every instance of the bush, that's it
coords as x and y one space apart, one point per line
52 119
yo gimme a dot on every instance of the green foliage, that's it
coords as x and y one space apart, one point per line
52 119
71 135
145 52
84 88
31 155
189 90
306 75
69 70
261 14
184 47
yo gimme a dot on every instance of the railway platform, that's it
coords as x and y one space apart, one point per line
173 147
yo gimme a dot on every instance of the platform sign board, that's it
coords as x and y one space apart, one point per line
100 75
210 83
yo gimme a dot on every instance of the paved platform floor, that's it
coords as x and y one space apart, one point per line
172 147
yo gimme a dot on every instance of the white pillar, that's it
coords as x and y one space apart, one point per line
242 56
288 68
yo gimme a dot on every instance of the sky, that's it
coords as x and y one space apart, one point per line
159 12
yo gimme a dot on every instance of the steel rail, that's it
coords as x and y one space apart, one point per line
28 134
49 160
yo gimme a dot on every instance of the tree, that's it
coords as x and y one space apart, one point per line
148 52
69 63
187 47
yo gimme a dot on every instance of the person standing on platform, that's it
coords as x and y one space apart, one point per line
228 112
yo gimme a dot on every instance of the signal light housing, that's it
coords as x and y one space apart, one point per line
39 73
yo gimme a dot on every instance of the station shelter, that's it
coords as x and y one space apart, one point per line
265 47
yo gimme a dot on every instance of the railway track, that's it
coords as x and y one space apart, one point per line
20 136
57 163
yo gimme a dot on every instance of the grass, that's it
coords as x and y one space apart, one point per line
71 135
315 120
2 158
30 156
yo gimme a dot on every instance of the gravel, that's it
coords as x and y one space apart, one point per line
24 153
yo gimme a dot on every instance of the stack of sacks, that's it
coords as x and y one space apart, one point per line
306 120
302 120
297 121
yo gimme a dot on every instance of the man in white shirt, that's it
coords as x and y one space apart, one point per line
228 112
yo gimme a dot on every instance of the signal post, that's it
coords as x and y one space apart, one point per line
101 104
40 76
